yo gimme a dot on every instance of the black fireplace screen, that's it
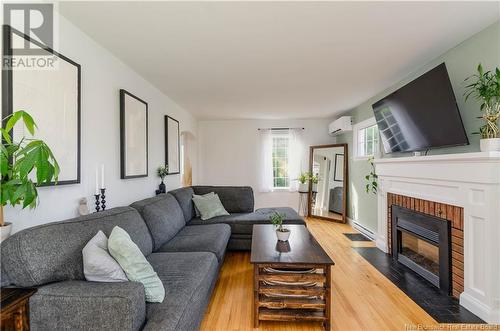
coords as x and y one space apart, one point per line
422 243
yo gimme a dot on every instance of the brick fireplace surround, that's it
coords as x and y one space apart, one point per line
464 189
453 214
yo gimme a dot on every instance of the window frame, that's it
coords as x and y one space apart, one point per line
287 136
356 129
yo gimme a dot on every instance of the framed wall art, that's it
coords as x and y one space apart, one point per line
133 136
50 92
172 145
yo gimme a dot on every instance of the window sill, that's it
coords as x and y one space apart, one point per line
281 189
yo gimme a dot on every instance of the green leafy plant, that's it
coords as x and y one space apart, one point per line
162 172
371 179
19 160
314 178
277 220
303 177
485 87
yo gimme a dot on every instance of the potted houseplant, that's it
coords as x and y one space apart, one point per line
162 172
371 179
277 220
485 87
303 182
24 165
314 181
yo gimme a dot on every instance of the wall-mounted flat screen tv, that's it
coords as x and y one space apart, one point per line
421 115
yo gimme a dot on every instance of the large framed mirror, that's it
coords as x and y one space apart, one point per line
328 182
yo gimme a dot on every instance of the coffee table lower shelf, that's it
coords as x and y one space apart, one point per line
281 302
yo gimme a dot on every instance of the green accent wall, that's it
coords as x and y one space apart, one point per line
461 61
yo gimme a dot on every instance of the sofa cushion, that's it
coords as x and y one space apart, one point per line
53 252
242 223
135 265
98 264
200 238
82 305
184 197
235 199
188 279
209 206
163 215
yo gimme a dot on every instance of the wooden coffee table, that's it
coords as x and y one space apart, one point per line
277 265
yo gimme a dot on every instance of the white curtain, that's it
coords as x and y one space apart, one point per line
295 157
266 162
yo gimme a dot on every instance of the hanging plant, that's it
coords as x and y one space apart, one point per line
371 178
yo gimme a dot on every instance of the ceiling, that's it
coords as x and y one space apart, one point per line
227 60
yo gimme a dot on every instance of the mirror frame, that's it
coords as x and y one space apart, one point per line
346 181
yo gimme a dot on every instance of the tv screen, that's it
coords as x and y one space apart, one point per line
421 115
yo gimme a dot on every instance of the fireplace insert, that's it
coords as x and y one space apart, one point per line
422 243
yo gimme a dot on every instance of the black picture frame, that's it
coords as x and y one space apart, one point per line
8 92
178 154
123 148
337 161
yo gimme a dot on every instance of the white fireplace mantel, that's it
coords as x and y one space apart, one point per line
471 181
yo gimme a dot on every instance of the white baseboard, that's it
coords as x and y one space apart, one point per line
491 316
367 232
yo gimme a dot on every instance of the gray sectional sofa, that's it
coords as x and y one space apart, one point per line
185 251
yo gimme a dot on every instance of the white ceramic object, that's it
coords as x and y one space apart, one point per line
283 235
303 187
315 187
489 145
5 231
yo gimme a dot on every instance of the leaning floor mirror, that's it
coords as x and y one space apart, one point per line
328 182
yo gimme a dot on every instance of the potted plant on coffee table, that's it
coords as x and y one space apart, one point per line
281 232
485 87
24 165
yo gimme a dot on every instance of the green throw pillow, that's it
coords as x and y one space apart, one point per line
204 195
209 206
135 265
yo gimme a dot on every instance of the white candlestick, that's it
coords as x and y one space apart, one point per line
102 176
96 181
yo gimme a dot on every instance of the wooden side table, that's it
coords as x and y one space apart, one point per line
14 308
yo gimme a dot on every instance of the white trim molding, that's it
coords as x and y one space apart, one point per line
362 229
471 181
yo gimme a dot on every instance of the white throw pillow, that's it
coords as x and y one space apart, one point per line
98 264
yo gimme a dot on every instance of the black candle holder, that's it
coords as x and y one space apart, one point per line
97 203
103 199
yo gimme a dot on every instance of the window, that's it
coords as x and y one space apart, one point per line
280 158
366 139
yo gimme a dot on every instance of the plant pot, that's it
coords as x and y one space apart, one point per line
489 145
303 187
5 231
315 187
162 187
283 235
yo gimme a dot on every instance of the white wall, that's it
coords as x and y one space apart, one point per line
229 154
102 76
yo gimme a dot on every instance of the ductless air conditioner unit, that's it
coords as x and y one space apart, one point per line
341 125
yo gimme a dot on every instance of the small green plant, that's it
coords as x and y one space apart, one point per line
371 179
485 87
162 172
277 220
19 160
303 177
314 179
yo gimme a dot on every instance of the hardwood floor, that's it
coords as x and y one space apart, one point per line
362 299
